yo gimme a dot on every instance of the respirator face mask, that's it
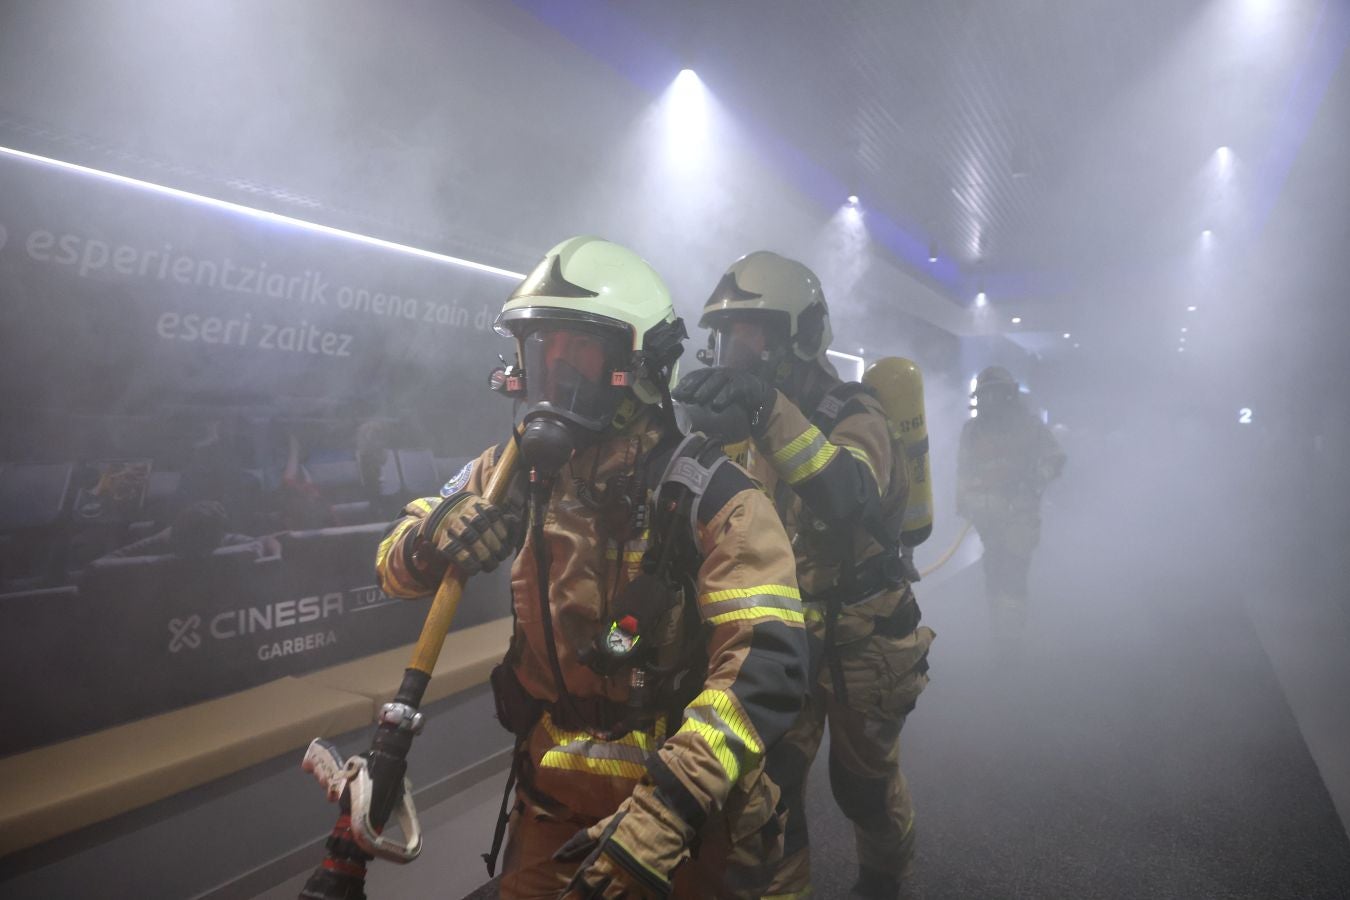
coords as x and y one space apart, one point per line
748 341
570 394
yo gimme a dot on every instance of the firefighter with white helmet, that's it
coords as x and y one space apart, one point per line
660 645
825 452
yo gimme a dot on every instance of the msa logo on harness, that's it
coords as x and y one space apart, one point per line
831 406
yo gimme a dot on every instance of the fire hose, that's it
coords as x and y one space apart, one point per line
370 788
950 552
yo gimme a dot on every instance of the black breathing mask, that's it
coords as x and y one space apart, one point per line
574 382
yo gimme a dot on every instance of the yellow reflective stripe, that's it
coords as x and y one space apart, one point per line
798 444
714 716
636 548
861 455
577 751
423 505
813 465
639 739
392 538
575 762
757 612
388 573
804 456
777 590
778 601
717 742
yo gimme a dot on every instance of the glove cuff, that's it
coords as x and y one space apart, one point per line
432 523
652 837
656 883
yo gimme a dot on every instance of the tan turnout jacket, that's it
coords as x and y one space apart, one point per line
751 629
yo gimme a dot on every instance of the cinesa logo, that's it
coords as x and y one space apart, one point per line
184 634
253 619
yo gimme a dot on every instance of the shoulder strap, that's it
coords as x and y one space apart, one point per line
694 485
692 467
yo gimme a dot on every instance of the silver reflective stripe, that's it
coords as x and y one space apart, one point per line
592 749
708 610
802 456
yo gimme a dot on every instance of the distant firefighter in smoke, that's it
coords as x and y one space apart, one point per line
1006 458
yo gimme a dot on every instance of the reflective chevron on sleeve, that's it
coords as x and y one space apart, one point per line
715 716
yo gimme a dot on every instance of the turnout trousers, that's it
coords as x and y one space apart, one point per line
882 678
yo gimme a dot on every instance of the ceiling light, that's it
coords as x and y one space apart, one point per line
1207 234
1017 320
1183 340
932 253
1183 329
852 199
1190 309
1181 349
1224 157
1067 335
1076 345
981 301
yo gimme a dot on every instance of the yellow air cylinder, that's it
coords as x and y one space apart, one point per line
899 385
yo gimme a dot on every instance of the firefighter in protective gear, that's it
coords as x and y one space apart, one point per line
1005 459
823 450
660 645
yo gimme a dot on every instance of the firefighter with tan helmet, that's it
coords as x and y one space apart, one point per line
660 644
824 450
1005 460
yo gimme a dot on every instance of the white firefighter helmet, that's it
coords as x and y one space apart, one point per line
592 286
768 286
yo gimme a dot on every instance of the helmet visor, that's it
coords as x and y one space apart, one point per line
741 345
568 371
747 340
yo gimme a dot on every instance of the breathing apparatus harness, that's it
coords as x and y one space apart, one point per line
880 572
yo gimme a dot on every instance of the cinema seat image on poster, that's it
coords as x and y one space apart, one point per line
211 418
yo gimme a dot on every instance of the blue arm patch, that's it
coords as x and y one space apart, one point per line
456 484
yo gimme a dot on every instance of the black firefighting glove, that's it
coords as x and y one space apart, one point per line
633 853
470 533
720 387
